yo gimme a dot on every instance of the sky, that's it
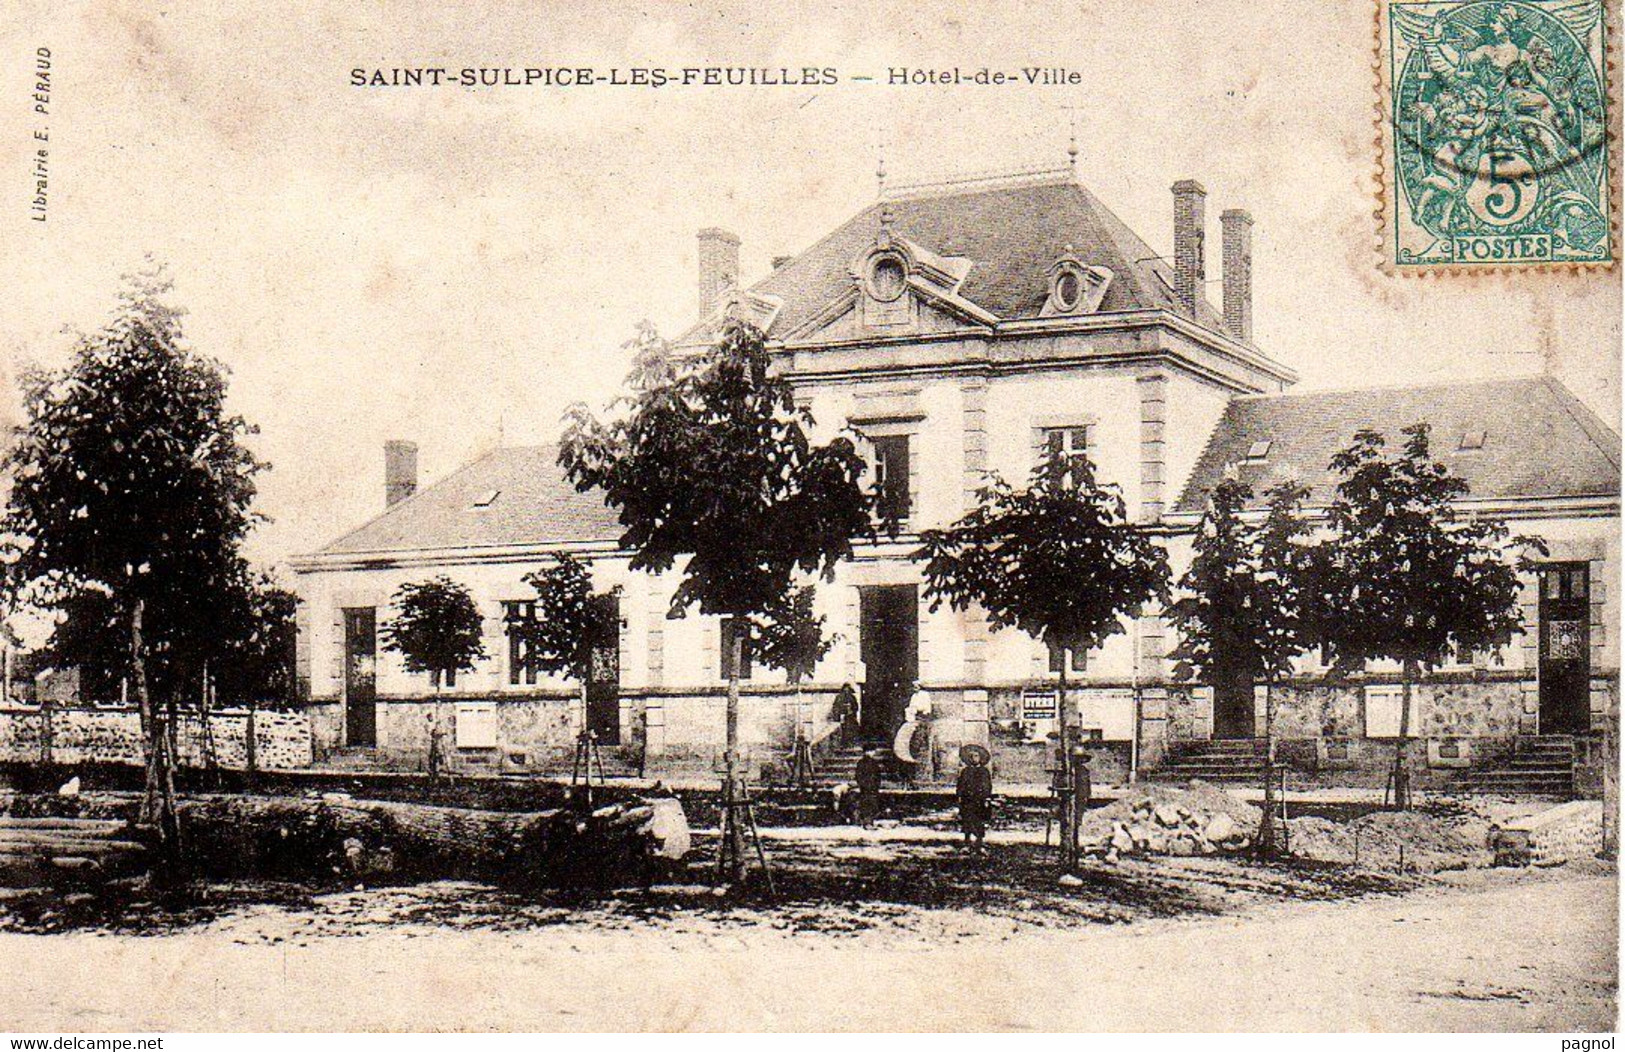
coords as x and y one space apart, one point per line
455 266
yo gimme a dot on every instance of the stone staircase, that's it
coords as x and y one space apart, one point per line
1538 766
1228 761
838 765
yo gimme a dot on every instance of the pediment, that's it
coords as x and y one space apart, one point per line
915 312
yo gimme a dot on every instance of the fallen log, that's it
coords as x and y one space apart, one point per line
62 844
303 838
101 827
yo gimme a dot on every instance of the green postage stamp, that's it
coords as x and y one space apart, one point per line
1497 134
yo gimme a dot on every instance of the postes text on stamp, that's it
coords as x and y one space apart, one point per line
1495 134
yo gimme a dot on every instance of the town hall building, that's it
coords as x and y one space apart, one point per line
963 328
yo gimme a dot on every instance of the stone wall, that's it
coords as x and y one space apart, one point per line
282 740
1472 705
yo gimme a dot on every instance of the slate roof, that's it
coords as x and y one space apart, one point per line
534 504
1012 234
1539 440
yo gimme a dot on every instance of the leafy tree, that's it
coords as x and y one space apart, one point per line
791 638
567 624
256 662
1412 577
1243 614
560 636
791 635
436 629
708 461
91 634
131 480
1058 560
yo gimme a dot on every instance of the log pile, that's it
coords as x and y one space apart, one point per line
334 836
36 851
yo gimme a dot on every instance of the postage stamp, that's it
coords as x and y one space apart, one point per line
1496 147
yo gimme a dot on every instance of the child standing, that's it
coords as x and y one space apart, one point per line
975 791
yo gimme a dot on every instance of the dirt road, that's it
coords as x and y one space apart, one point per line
1501 953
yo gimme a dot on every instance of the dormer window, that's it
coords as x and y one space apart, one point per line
1074 287
486 499
887 277
1471 441
1258 451
1068 291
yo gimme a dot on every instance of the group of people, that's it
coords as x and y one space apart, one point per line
974 791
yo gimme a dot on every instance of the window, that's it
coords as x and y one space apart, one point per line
1458 655
1565 582
1080 658
1066 442
1259 450
1471 440
887 278
521 651
891 477
730 626
486 499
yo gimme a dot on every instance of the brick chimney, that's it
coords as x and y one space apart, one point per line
719 267
1238 273
1190 218
400 471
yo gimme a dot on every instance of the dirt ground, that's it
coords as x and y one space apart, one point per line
871 930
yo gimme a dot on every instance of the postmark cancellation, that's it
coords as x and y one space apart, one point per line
1497 136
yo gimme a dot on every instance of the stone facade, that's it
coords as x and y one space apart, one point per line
979 359
283 739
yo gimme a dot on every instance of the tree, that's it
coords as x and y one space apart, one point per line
1243 614
708 461
566 626
1058 560
560 636
131 481
436 629
256 660
1411 576
791 638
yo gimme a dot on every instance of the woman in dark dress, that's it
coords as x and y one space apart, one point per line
975 795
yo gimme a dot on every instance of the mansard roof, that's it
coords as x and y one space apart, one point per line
1012 235
516 495
1533 437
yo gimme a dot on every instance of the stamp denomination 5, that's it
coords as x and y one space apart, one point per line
1496 134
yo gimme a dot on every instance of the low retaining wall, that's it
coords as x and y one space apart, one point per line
282 740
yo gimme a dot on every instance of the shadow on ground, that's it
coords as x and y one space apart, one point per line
819 886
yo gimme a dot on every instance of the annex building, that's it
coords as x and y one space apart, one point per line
962 328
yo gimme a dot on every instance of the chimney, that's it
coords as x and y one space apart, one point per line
400 471
1190 218
719 267
1238 273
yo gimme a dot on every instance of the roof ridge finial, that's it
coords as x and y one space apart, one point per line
1072 139
880 166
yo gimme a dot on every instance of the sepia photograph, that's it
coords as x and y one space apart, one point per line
1079 516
